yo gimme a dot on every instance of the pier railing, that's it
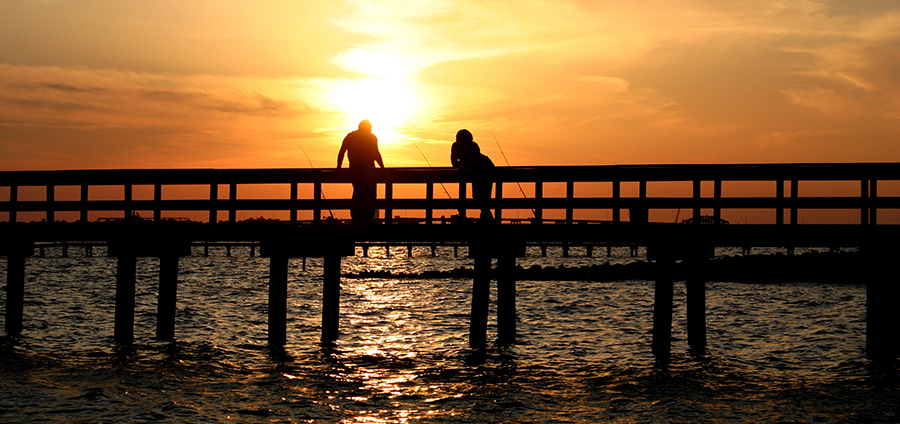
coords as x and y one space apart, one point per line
569 193
572 195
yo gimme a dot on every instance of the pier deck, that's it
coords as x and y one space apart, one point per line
148 214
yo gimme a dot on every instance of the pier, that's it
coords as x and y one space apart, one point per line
674 211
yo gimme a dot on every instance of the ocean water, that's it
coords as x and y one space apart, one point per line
785 352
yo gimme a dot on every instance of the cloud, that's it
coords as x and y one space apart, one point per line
177 119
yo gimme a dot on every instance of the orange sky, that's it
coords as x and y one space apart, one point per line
242 84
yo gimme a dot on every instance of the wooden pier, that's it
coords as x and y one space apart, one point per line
591 206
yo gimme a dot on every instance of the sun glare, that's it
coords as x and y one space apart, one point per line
388 104
386 97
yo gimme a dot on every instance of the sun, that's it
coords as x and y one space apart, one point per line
385 97
387 104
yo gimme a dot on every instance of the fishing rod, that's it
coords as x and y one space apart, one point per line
428 162
533 213
321 192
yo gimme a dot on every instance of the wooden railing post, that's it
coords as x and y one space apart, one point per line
129 207
717 195
317 202
388 196
83 216
157 202
864 200
13 197
293 213
779 195
51 197
538 198
795 195
697 194
570 195
429 195
873 202
213 202
616 197
498 196
232 200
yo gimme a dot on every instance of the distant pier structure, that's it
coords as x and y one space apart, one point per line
674 211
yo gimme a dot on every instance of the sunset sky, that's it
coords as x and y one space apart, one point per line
247 84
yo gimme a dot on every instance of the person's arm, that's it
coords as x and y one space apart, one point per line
340 159
378 154
454 155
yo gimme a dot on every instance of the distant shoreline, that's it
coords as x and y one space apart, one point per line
831 267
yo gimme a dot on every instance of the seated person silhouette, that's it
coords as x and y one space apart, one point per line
466 155
361 147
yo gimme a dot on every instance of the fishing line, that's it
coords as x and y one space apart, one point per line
321 192
533 213
429 163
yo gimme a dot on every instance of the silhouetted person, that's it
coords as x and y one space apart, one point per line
466 155
361 147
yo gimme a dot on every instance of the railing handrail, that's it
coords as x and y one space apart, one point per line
562 173
868 201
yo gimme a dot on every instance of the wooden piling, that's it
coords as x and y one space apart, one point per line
662 313
123 331
481 286
331 298
15 293
278 300
882 315
168 289
696 314
506 299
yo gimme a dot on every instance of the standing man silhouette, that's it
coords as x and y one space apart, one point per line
361 147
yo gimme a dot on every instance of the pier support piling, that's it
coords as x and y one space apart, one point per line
481 286
15 293
882 314
506 299
278 265
696 314
331 298
168 289
662 310
123 331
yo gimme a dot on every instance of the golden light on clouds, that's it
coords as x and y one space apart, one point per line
111 84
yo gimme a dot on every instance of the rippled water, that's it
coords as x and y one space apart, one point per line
776 352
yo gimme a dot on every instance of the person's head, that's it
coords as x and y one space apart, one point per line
365 125
463 135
